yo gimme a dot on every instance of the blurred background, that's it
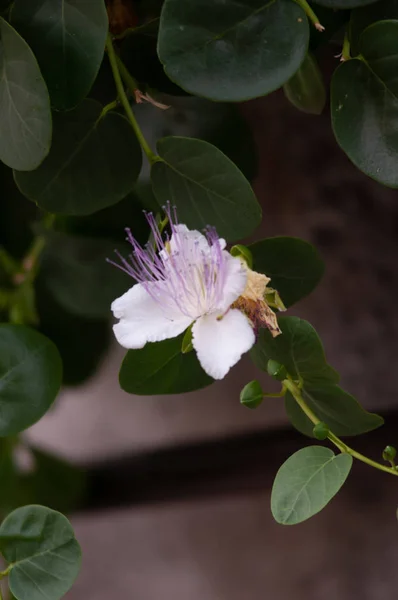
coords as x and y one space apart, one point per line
169 496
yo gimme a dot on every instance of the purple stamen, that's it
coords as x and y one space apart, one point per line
187 273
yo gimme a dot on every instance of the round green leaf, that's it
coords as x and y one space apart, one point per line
294 266
30 377
307 482
306 90
299 349
206 187
365 104
94 162
339 410
75 270
80 360
361 18
161 368
219 123
68 38
45 555
301 352
25 116
232 51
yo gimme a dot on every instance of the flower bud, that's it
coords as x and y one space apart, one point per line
321 431
276 370
252 394
389 453
243 253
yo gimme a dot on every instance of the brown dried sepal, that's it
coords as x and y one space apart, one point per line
259 313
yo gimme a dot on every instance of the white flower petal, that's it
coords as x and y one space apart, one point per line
219 344
235 281
188 241
143 320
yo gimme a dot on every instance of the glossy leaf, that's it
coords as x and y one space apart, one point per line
338 409
68 38
306 90
361 18
220 124
25 116
306 483
80 359
76 271
205 186
94 162
161 368
365 104
45 555
300 351
30 377
294 266
230 51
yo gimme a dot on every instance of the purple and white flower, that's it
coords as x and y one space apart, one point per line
190 280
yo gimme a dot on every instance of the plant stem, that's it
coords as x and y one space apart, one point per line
345 53
126 76
107 108
297 395
30 263
310 14
275 394
152 158
6 571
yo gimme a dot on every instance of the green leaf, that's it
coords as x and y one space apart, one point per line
205 186
82 343
25 116
45 555
30 377
161 368
232 51
307 482
187 345
68 38
300 351
252 394
94 162
220 124
338 409
294 266
77 274
361 18
306 90
364 104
